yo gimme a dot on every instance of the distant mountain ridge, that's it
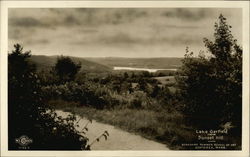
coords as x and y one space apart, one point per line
105 64
154 63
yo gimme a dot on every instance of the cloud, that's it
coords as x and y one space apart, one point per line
188 14
71 20
175 26
97 16
38 41
14 33
21 33
70 16
116 31
25 22
110 15
122 38
119 38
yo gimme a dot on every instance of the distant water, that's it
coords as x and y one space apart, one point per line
141 69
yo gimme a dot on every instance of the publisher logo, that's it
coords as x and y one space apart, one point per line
23 140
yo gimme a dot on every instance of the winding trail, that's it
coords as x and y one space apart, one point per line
117 139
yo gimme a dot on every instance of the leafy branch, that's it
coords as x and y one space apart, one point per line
105 134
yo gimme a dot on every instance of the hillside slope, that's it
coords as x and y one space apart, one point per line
44 62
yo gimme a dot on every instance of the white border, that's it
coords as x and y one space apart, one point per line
123 4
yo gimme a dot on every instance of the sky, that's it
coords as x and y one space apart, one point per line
117 32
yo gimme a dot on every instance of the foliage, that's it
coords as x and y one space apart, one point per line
66 69
212 84
48 77
72 91
27 113
110 94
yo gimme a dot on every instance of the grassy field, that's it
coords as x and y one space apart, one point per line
169 81
166 80
166 128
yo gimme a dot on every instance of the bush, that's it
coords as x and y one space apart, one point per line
71 91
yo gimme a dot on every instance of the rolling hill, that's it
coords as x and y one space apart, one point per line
44 62
106 64
153 63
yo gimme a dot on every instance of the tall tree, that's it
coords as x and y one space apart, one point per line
211 84
66 69
27 113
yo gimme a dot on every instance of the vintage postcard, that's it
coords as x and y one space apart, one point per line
125 78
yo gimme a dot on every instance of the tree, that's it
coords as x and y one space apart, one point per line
29 115
211 84
125 76
66 69
155 90
22 93
142 84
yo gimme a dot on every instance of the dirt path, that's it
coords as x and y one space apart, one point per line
118 139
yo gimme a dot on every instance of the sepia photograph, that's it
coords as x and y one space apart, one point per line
125 78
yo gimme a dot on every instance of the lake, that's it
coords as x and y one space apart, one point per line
141 69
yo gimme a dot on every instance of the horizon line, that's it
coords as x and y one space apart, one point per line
105 56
